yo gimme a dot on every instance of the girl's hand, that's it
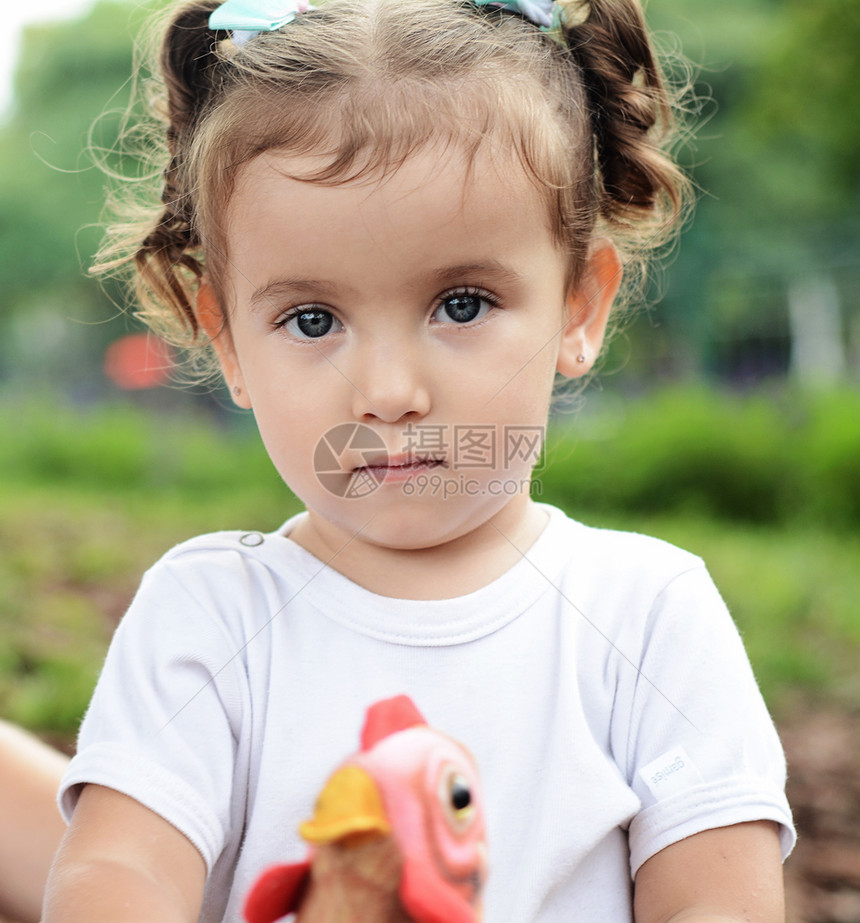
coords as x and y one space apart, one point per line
120 861
725 875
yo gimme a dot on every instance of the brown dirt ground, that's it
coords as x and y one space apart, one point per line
822 875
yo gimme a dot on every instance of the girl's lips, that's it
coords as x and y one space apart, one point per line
399 467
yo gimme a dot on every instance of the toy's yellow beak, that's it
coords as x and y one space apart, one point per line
350 803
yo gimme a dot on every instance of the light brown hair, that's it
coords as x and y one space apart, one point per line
359 84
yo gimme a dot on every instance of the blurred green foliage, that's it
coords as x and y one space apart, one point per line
775 158
785 458
67 76
122 449
71 91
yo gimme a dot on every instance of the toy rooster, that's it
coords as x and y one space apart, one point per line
397 834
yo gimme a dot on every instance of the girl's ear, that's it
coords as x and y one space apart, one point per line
212 322
588 307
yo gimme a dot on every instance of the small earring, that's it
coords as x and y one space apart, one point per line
236 390
580 358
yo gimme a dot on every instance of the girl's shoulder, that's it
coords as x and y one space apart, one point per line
218 543
624 578
617 548
239 544
226 582
213 560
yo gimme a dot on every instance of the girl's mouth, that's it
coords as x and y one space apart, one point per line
399 467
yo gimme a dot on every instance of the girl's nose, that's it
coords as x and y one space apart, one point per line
389 385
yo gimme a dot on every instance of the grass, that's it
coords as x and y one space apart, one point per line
91 499
782 458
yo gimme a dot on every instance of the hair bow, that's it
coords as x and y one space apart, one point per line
245 18
543 13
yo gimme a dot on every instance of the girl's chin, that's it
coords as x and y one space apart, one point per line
412 526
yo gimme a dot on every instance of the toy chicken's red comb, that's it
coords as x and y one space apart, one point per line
388 717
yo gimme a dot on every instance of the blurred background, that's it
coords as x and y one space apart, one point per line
727 418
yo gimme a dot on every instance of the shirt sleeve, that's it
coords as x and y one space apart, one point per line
162 724
701 749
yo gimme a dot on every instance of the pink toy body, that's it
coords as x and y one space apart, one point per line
398 834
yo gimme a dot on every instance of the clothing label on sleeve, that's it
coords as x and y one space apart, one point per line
670 773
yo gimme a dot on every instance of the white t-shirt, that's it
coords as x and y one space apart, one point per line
600 683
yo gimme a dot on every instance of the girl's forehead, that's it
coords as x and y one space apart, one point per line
428 220
465 179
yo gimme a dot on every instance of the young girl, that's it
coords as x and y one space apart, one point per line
395 221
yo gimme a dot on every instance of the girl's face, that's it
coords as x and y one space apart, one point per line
398 338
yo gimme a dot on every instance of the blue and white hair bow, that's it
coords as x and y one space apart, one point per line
245 18
543 13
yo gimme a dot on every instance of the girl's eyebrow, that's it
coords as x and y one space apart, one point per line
266 294
491 269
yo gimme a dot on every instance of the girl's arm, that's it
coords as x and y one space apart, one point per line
719 876
121 862
31 827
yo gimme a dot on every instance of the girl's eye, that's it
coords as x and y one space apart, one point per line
309 323
463 308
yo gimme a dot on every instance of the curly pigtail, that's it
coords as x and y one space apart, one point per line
170 257
638 183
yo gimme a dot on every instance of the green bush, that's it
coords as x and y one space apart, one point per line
828 459
789 458
127 449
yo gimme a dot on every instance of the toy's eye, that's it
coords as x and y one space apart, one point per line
461 794
456 796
